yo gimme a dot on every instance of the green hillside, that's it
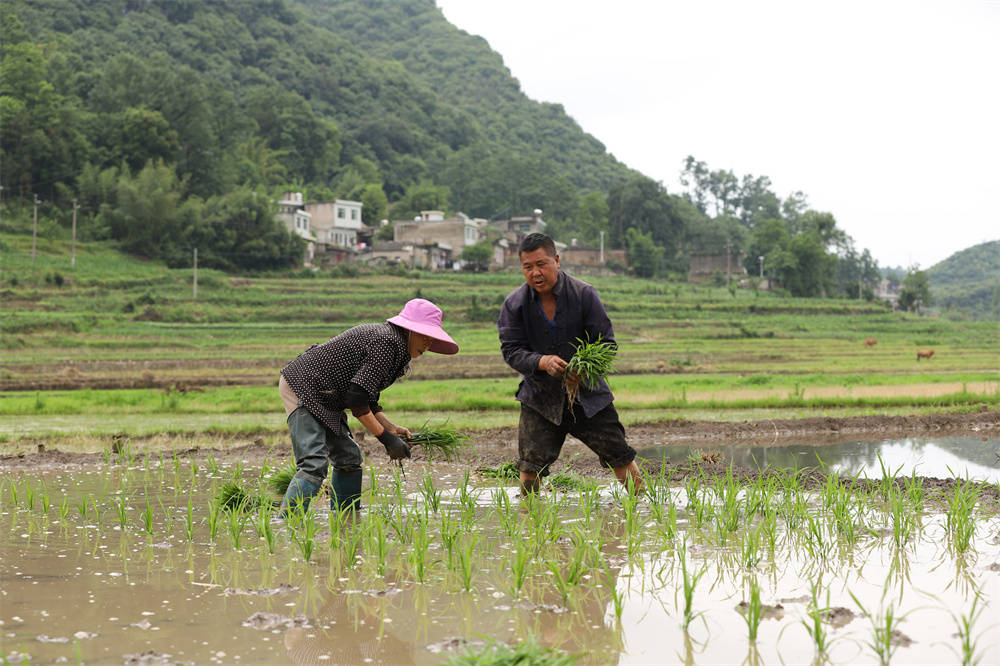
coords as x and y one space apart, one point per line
173 124
968 282
268 93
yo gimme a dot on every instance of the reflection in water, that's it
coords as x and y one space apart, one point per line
939 457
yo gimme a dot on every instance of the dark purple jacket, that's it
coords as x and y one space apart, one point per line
526 336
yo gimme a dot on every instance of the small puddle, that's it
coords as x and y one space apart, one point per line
975 458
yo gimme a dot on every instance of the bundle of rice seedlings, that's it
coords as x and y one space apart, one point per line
590 363
507 471
440 439
282 476
571 482
233 497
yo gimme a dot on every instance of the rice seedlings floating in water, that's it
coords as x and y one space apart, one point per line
507 471
592 361
440 439
527 652
233 497
569 482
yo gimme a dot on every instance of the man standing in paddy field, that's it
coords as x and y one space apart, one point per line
538 325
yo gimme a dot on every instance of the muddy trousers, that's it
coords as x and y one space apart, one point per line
315 447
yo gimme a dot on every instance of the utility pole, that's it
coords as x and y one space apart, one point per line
72 260
761 259
194 281
34 229
602 249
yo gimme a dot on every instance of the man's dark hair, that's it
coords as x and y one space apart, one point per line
532 242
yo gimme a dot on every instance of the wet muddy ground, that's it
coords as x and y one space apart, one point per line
120 558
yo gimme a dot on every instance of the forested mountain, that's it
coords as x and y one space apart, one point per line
969 281
175 123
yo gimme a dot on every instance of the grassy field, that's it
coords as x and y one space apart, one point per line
116 342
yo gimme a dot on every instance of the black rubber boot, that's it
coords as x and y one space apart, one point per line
346 487
300 492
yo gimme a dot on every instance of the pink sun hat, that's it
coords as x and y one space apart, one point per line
422 316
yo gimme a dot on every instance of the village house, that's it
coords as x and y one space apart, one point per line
451 235
338 228
579 257
703 266
513 230
409 254
292 211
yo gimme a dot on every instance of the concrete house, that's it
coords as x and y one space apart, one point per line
336 222
292 211
702 266
451 235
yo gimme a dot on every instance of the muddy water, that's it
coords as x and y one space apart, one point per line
81 587
938 457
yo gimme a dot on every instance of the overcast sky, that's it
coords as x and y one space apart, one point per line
885 113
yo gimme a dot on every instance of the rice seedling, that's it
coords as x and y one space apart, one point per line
64 509
281 477
901 517
213 520
507 471
29 495
519 566
420 550
81 506
570 483
884 627
814 620
449 532
591 362
265 531
302 529
968 651
12 493
617 595
750 548
467 560
441 439
233 497
431 495
122 510
960 523
235 521
146 516
376 544
690 581
754 611
189 520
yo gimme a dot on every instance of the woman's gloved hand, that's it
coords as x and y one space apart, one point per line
394 446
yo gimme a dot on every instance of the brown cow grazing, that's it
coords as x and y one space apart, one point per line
870 342
924 353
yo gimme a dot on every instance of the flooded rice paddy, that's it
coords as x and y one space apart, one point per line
937 457
134 561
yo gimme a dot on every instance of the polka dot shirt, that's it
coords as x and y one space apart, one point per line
372 356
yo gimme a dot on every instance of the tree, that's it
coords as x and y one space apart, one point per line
477 256
424 195
148 210
916 290
644 204
643 254
375 206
